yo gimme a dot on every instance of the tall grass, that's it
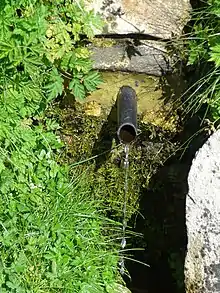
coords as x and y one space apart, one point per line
55 244
51 227
201 51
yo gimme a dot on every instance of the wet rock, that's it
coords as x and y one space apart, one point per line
160 117
149 94
159 18
150 101
148 57
202 263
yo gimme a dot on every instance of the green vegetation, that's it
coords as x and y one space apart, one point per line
203 52
51 226
92 140
41 46
54 234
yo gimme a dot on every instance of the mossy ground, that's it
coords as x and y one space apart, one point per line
92 142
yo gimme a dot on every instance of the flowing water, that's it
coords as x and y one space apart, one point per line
124 222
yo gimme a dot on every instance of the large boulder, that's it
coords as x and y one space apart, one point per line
202 263
160 18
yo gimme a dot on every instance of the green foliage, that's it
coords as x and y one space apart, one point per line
198 48
51 232
41 40
55 86
203 49
215 54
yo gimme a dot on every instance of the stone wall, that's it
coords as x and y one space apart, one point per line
145 27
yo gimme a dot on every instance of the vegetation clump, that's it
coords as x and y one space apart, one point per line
42 41
51 227
203 57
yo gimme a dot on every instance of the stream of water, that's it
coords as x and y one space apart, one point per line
124 222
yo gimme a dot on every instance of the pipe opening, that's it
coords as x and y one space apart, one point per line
127 133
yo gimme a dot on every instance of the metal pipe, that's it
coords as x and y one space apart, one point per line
127 114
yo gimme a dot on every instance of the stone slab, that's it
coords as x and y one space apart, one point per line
160 18
150 100
149 57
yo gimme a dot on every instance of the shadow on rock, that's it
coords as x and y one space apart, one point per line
162 222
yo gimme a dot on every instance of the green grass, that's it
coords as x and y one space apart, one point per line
51 228
200 50
53 235
55 242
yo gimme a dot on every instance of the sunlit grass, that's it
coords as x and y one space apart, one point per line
199 49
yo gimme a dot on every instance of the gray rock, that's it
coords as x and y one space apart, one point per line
202 263
150 57
160 18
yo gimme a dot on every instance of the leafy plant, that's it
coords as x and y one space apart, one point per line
42 40
203 48
51 228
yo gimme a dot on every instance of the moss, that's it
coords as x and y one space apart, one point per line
143 164
92 139
161 119
149 94
95 138
103 42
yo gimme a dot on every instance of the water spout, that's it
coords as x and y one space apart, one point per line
127 114
127 132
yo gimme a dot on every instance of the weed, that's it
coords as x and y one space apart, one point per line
202 47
